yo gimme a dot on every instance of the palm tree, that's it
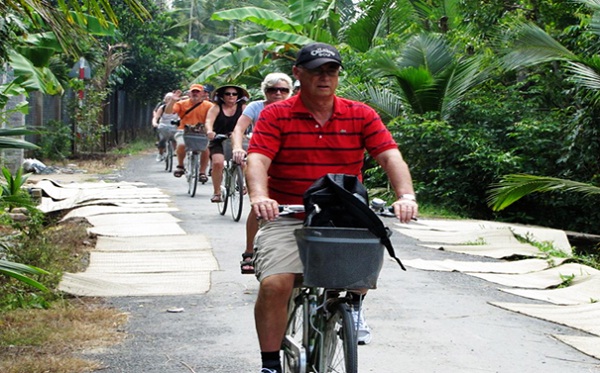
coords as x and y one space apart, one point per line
64 20
272 34
533 46
516 186
69 25
429 75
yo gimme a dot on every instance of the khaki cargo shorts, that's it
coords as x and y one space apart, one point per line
275 248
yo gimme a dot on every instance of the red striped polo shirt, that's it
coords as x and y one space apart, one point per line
301 150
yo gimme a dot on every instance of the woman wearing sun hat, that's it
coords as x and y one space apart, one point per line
230 102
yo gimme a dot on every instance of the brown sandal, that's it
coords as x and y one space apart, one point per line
179 171
247 265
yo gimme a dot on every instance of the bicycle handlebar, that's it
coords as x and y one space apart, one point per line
220 136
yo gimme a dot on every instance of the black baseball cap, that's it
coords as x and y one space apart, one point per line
316 54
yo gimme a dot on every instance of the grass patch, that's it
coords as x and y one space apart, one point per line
49 340
49 331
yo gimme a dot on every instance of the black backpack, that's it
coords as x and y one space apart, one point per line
338 200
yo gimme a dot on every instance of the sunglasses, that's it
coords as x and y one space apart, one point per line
230 93
278 89
335 71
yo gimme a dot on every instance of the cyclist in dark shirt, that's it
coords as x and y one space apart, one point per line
230 102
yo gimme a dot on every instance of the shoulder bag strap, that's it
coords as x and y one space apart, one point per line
189 110
368 217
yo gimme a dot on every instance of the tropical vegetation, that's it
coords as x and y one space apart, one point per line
474 92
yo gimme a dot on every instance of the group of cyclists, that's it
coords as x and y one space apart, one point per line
296 139
222 111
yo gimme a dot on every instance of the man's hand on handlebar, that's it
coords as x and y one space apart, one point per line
405 210
239 155
265 208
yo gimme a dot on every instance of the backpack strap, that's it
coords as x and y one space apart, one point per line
361 211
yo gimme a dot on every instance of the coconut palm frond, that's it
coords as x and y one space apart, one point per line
386 102
379 19
464 75
584 75
516 186
534 46
428 51
592 4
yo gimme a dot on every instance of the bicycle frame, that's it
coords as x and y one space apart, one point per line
191 172
232 189
311 348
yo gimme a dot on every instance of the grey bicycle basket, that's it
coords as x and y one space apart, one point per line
340 258
195 142
228 150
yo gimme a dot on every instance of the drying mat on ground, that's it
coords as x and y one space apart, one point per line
136 284
126 219
492 242
49 205
517 266
87 211
132 225
492 251
583 317
502 236
585 344
82 191
541 279
585 291
132 229
108 263
57 190
161 243
540 234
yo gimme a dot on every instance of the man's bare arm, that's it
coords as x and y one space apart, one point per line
257 180
405 207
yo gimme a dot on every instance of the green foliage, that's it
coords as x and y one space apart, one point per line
8 142
89 130
56 141
157 61
12 193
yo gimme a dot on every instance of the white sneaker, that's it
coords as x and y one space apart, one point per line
160 158
363 334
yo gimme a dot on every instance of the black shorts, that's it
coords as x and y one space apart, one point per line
216 147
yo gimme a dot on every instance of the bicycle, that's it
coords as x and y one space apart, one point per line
170 149
232 182
195 143
321 333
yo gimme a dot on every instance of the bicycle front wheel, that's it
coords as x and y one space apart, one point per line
222 206
294 352
339 341
194 168
236 192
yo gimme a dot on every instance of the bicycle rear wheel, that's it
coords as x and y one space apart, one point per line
193 179
339 341
225 182
236 192
169 157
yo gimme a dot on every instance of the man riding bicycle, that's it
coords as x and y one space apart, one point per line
295 142
192 112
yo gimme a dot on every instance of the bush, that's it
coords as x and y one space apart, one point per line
56 141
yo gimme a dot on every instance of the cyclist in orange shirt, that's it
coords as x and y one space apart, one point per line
192 112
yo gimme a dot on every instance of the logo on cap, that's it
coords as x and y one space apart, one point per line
322 52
